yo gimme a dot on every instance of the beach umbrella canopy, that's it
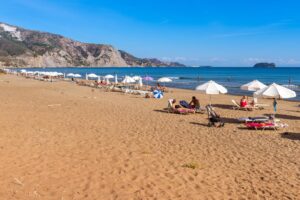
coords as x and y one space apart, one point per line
52 73
70 75
92 76
253 86
211 88
158 94
136 78
148 78
77 76
275 91
164 80
128 79
109 76
23 71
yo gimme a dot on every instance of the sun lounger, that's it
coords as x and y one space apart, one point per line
254 119
265 125
171 109
236 106
185 104
258 119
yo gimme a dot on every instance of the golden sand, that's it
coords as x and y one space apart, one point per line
61 141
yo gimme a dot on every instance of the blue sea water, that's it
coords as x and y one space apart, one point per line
189 77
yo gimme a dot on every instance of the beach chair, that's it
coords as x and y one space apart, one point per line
213 117
236 106
184 104
261 126
254 119
184 111
265 125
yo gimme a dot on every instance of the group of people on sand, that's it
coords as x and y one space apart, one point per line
159 87
183 106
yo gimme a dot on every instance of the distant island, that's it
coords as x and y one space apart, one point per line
264 65
20 47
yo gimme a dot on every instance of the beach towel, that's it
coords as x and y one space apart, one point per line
184 104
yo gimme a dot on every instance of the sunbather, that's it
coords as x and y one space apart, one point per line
244 103
172 107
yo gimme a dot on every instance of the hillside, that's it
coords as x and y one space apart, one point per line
20 47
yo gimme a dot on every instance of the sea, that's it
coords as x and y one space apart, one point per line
190 77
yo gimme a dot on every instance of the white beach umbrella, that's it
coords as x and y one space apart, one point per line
275 91
136 78
109 76
253 86
164 80
211 88
77 76
23 71
92 76
128 79
70 75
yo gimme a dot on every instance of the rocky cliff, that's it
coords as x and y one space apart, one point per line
26 48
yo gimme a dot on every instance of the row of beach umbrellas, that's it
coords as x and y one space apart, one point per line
41 73
260 90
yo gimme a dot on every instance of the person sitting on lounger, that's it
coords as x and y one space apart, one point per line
195 103
244 103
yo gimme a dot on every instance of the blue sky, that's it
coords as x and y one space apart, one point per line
194 32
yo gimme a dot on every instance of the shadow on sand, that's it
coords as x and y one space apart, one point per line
199 124
230 120
283 116
223 106
162 111
223 119
291 136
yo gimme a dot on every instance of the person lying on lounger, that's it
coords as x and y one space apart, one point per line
177 108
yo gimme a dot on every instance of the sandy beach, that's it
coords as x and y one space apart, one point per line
62 141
